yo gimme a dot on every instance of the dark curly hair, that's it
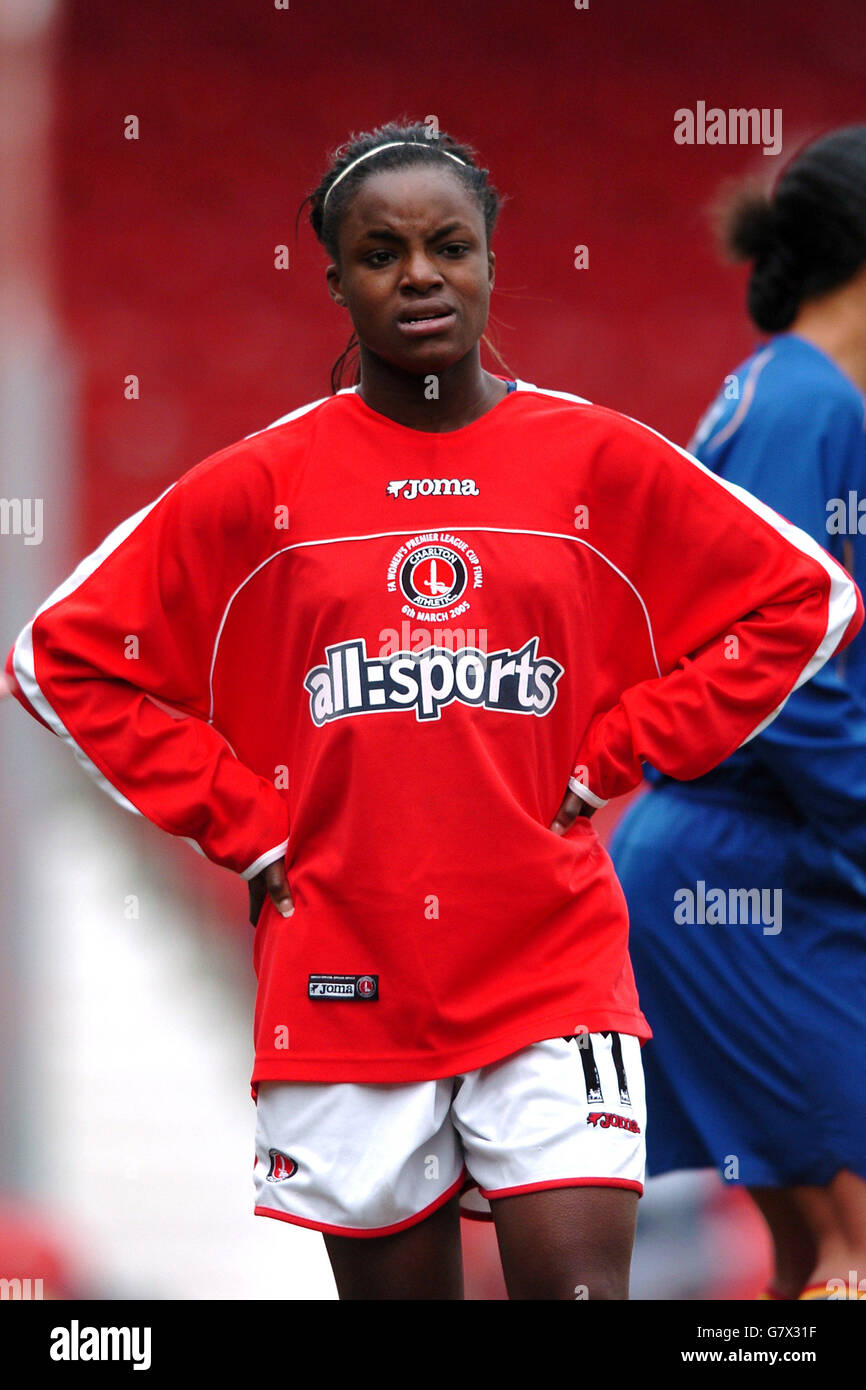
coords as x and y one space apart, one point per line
807 235
326 221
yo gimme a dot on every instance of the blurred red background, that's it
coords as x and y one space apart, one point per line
165 245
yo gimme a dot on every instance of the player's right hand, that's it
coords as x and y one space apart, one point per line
271 881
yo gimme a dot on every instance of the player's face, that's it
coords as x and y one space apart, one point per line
413 241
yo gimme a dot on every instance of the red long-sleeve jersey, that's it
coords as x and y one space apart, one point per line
386 654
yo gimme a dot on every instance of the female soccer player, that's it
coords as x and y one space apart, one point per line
757 1003
376 658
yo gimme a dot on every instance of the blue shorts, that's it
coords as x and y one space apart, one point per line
757 999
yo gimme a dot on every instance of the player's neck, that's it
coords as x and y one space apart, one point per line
836 323
435 402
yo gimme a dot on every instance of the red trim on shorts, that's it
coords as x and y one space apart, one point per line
374 1231
629 1183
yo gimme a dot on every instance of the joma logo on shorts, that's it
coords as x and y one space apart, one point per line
605 1120
411 488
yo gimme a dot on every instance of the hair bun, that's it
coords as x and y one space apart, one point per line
808 236
752 229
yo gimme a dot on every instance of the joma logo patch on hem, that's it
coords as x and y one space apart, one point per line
360 987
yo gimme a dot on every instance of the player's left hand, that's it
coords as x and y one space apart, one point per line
572 807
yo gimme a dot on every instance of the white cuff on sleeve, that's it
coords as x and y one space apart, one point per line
270 856
580 789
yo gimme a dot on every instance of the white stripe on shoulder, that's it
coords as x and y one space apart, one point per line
296 414
92 561
842 604
558 395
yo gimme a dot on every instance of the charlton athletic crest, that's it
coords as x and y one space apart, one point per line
282 1166
433 577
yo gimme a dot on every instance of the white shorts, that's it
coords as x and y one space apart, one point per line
370 1159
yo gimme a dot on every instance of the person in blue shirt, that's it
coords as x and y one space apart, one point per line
747 887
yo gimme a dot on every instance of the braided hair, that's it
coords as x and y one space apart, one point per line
327 212
806 236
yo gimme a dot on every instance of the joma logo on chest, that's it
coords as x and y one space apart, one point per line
432 487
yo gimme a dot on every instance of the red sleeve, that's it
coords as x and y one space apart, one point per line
741 606
117 663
